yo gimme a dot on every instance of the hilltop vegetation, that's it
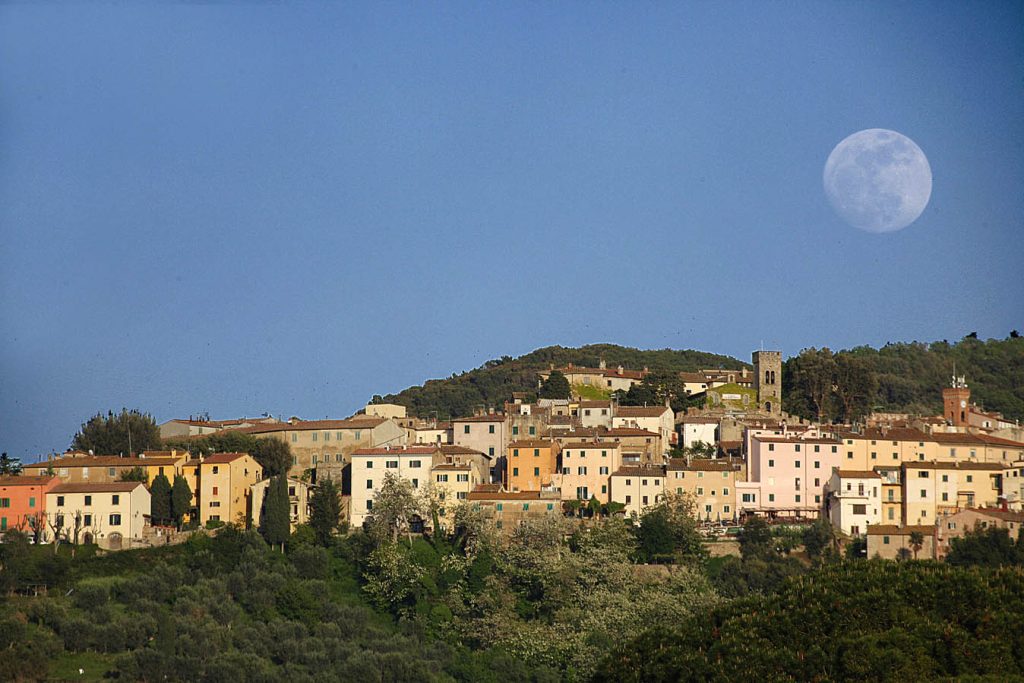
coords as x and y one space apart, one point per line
901 377
494 382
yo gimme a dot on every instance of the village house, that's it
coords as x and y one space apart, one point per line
853 500
23 502
787 476
225 488
371 465
506 510
606 379
76 467
934 489
959 523
299 494
586 468
485 433
694 429
532 464
657 419
638 488
896 542
710 483
110 514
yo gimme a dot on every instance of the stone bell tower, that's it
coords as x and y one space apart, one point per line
768 381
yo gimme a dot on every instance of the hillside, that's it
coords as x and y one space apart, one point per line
494 382
908 376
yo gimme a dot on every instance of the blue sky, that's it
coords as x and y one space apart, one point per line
240 208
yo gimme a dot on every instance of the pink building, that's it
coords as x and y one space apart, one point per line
787 475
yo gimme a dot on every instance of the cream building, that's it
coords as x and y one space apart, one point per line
893 542
853 500
75 467
934 489
657 419
388 411
371 465
638 488
112 515
485 433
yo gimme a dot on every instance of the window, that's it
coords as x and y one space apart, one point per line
645 500
817 499
874 455
526 506
60 501
771 497
700 491
700 475
515 471
726 509
604 488
798 448
817 482
515 452
215 469
465 429
628 482
771 447
87 520
533 430
771 463
603 470
356 434
327 436
551 506
88 500
892 513
116 500
707 509
490 429
748 497
31 502
798 497
817 464
945 496
835 449
391 464
581 470
315 435
629 499
924 494
922 474
725 491
970 478
536 471
497 525
369 505
536 452
5 502
112 472
415 483
796 464
860 509
369 464
461 495
499 507
295 437
337 436
490 451
215 490
115 520
369 483
461 477
414 463
885 539
565 470
215 504
515 430
314 459
442 478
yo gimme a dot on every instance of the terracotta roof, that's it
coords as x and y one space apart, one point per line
626 431
641 411
108 487
858 474
591 444
595 404
496 417
639 472
103 461
449 449
702 465
892 530
479 494
604 372
936 465
451 466
532 443
696 420
693 377
779 439
1005 515
888 434
25 480
222 458
367 422
398 450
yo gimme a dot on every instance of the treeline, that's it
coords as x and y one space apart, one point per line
494 382
904 377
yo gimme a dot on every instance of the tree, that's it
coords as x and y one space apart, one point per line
756 539
9 466
134 474
124 433
988 547
818 538
916 542
668 531
325 510
814 375
181 499
855 385
160 501
273 455
395 505
555 386
275 516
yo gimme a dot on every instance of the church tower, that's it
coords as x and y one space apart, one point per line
768 381
955 399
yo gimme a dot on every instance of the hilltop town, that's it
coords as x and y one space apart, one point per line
898 483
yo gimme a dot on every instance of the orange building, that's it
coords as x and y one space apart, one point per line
531 464
23 502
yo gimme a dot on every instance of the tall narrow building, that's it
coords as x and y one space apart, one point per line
768 381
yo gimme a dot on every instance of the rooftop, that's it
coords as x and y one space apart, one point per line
105 487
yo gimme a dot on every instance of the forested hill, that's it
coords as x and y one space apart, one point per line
493 383
909 377
902 376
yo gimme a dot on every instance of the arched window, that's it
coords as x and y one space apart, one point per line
773 377
767 377
768 407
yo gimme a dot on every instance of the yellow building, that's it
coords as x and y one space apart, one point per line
934 489
638 488
76 467
532 465
711 483
225 487
586 469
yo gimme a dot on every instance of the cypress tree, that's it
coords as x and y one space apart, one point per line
275 522
181 499
160 500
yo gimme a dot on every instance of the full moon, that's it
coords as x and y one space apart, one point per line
878 180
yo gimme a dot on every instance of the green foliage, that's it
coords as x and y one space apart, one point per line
275 515
273 454
870 620
909 377
134 474
986 547
123 433
325 511
9 466
494 382
819 538
668 532
555 386
160 500
655 389
181 499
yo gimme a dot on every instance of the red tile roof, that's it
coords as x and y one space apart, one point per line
107 487
222 458
641 411
398 450
367 422
25 480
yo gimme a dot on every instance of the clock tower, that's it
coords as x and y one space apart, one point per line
955 399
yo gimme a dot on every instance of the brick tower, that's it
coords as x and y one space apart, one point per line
768 381
955 399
